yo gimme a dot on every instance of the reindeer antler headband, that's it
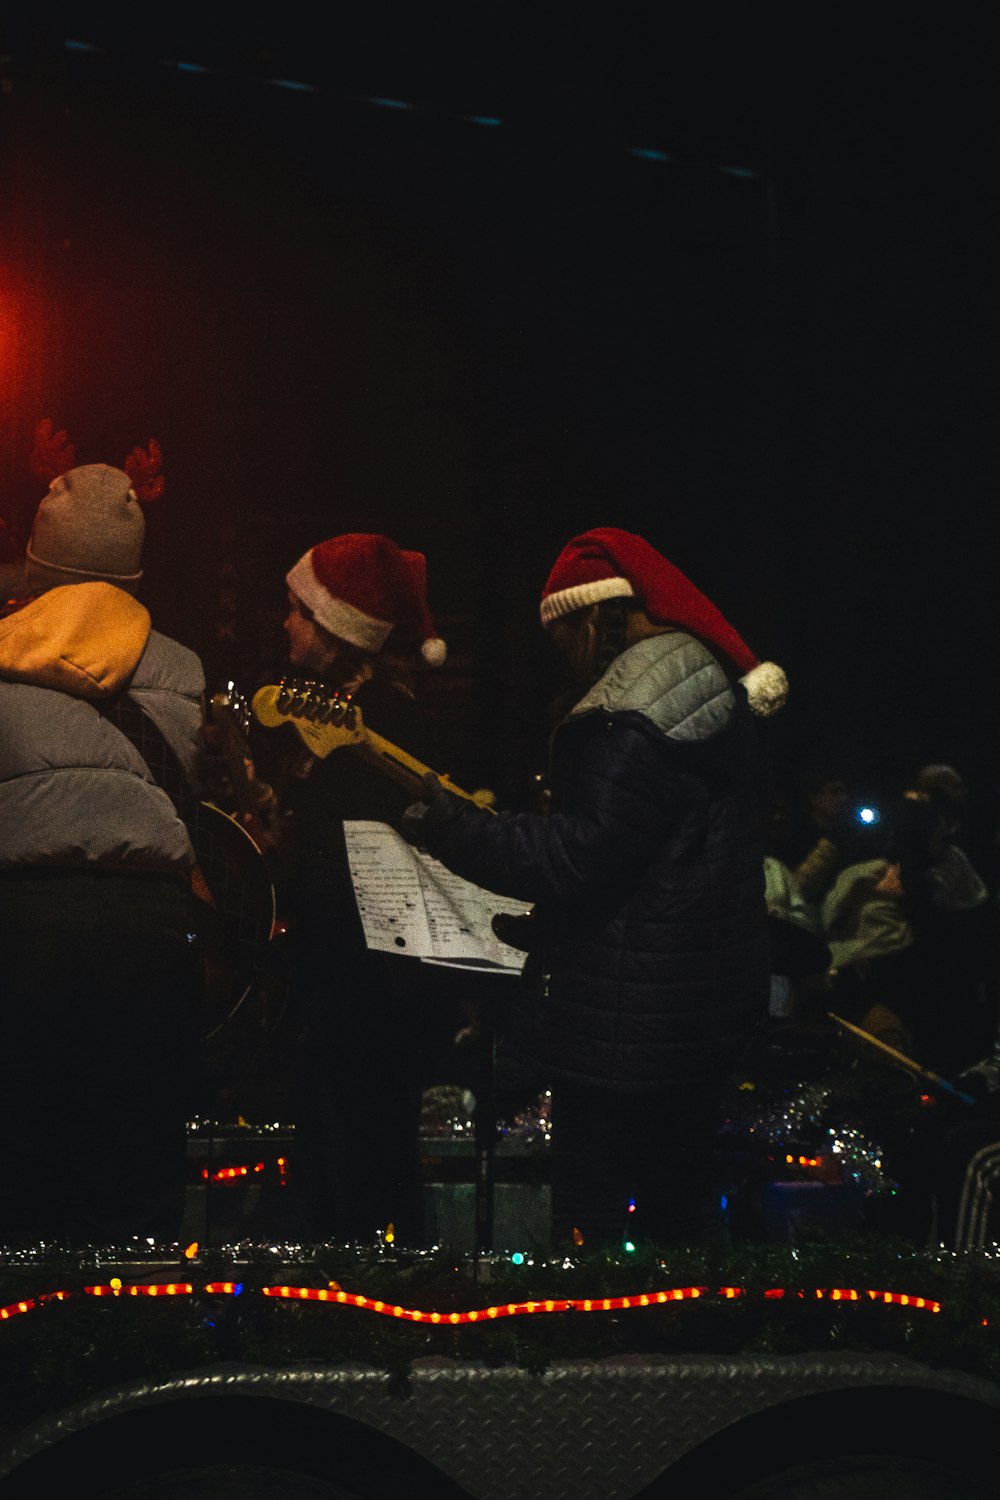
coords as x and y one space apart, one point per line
53 455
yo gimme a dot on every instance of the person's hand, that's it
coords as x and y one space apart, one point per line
891 883
982 1080
517 932
413 824
435 808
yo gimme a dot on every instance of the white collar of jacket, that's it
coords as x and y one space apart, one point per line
673 681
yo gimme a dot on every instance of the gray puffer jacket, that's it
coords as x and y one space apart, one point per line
651 945
74 793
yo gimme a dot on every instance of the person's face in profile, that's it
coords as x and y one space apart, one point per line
575 638
310 648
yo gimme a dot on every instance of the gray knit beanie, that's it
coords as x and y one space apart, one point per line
89 527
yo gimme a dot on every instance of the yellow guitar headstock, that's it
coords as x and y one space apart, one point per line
325 720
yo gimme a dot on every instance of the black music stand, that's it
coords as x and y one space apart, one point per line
485 1131
485 997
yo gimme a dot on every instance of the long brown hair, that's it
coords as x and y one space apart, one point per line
391 667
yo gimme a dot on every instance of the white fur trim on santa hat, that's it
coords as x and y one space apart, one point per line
767 688
336 615
565 601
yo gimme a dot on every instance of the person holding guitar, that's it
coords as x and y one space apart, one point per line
102 975
358 624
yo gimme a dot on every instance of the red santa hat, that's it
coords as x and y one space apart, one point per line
607 563
361 586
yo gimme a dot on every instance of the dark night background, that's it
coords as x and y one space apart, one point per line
735 292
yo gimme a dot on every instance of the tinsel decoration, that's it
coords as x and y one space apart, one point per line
447 1112
806 1117
533 1124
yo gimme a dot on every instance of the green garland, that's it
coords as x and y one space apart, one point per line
63 1351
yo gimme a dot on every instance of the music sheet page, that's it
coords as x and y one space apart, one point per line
410 904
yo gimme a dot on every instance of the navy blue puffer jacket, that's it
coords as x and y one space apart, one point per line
650 961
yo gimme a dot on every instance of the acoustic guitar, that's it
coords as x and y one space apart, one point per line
328 721
240 921
234 911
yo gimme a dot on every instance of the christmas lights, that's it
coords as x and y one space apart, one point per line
121 1313
336 1295
81 47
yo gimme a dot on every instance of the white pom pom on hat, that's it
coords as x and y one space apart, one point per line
434 651
766 688
607 563
361 586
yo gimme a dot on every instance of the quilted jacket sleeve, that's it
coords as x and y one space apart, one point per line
625 800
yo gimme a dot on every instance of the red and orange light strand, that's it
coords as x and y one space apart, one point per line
336 1295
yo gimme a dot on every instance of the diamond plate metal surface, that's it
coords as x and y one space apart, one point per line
599 1430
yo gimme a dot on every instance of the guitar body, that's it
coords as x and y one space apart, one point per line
236 915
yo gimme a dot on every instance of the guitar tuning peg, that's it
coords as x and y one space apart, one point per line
298 698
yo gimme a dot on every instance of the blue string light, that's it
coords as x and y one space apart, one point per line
290 83
641 153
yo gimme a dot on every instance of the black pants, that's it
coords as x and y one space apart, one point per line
639 1167
355 1099
101 982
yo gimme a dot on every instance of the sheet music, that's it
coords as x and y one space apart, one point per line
409 903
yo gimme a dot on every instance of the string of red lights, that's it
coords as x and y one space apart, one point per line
336 1295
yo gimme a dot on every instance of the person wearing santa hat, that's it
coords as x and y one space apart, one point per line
358 621
647 939
352 598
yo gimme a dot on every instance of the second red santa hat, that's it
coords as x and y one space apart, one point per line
607 563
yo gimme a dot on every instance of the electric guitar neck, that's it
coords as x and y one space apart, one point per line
329 721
